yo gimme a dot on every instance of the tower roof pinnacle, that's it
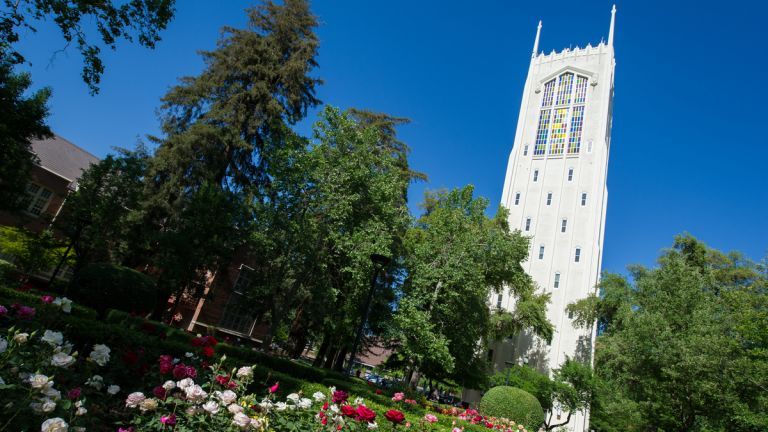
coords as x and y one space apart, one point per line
536 42
613 24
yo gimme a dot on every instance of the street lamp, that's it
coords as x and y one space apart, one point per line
379 263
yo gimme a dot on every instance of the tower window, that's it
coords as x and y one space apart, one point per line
563 225
557 281
570 314
549 198
528 224
525 150
583 199
570 174
541 252
577 255
517 198
498 301
535 175
561 118
542 133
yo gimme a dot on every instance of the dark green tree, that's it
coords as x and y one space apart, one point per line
141 19
22 118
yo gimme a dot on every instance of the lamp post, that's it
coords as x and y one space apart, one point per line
379 263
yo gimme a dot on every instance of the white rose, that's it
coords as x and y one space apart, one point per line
193 410
188 355
148 405
38 381
211 407
293 397
256 423
281 406
319 396
113 389
51 392
373 425
55 424
241 420
195 394
134 399
169 385
359 401
304 403
96 382
226 397
234 408
53 338
62 360
81 411
21 338
245 372
3 344
100 354
185 383
266 405
64 303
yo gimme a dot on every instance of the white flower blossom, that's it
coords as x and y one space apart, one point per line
188 355
113 389
372 425
148 405
195 394
134 399
245 372
44 406
56 424
241 420
169 385
211 407
100 354
234 408
304 403
185 383
226 397
39 381
53 338
266 404
293 397
281 406
62 360
21 338
64 303
193 410
319 396
81 411
51 392
96 382
256 423
335 408
359 401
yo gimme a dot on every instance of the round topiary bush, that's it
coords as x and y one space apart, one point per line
105 286
513 404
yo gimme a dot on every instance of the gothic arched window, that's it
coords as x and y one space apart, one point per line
561 118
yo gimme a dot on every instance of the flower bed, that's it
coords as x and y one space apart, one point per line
63 370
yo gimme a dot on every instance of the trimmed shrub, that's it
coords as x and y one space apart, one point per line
513 404
105 286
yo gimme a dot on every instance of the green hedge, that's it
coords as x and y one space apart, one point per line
104 286
513 404
32 298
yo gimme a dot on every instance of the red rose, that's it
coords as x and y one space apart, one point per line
130 357
74 393
198 341
207 351
159 392
181 371
212 341
339 396
365 414
348 411
222 379
394 416
378 391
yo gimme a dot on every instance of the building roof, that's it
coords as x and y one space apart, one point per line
63 158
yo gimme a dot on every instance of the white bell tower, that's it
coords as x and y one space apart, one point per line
555 190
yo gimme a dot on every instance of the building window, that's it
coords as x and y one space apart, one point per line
583 199
37 199
557 280
517 198
570 314
541 252
564 225
562 121
237 314
570 174
498 301
525 150
528 224
490 355
535 175
549 198
577 255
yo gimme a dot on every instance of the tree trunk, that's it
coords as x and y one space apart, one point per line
331 356
321 352
340 359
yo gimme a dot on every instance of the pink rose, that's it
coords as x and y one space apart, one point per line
398 397
168 420
74 393
275 387
430 418
46 299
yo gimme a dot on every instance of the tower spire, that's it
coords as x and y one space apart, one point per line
536 42
613 23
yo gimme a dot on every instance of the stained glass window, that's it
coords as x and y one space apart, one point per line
541 133
581 90
549 90
559 127
564 89
577 124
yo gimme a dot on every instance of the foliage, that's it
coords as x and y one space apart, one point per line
684 345
455 258
144 19
100 215
105 286
22 118
513 403
528 379
31 252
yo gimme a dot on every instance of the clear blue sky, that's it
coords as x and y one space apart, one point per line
689 147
